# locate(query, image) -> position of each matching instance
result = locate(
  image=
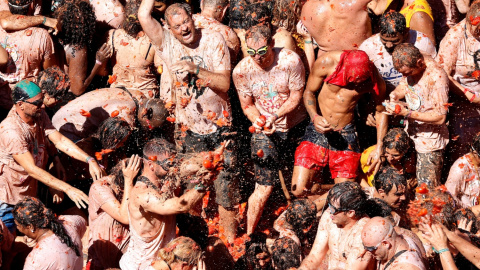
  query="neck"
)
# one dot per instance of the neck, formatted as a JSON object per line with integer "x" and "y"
{"x": 350, "y": 223}
{"x": 475, "y": 160}
{"x": 209, "y": 13}
{"x": 151, "y": 176}
{"x": 42, "y": 233}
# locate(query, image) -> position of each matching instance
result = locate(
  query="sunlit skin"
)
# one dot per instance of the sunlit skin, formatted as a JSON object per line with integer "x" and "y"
{"x": 266, "y": 60}
{"x": 183, "y": 28}
{"x": 393, "y": 156}
{"x": 395, "y": 197}
{"x": 391, "y": 41}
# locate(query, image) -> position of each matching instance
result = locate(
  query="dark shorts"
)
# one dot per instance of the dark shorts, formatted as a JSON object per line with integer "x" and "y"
{"x": 226, "y": 185}
{"x": 340, "y": 150}
{"x": 429, "y": 168}
{"x": 6, "y": 215}
{"x": 278, "y": 150}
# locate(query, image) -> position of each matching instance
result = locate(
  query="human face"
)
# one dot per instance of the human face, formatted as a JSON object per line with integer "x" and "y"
{"x": 182, "y": 27}
{"x": 395, "y": 197}
{"x": 33, "y": 106}
{"x": 49, "y": 101}
{"x": 393, "y": 156}
{"x": 26, "y": 230}
{"x": 390, "y": 42}
{"x": 263, "y": 52}
{"x": 380, "y": 250}
{"x": 409, "y": 71}
{"x": 338, "y": 215}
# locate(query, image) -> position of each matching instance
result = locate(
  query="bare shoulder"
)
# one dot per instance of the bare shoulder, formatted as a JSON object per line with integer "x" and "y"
{"x": 404, "y": 266}
{"x": 327, "y": 62}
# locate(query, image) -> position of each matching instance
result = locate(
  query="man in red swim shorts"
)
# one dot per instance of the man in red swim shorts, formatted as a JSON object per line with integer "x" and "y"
{"x": 342, "y": 78}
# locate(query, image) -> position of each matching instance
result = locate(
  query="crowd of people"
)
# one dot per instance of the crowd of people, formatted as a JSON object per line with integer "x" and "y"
{"x": 241, "y": 134}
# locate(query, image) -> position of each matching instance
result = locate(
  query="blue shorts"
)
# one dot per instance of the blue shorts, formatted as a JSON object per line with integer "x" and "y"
{"x": 6, "y": 215}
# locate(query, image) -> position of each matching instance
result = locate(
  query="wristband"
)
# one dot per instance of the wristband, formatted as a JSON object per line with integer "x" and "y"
{"x": 313, "y": 120}
{"x": 44, "y": 20}
{"x": 465, "y": 90}
{"x": 276, "y": 116}
{"x": 472, "y": 98}
{"x": 198, "y": 70}
{"x": 408, "y": 114}
{"x": 200, "y": 187}
{"x": 308, "y": 41}
{"x": 98, "y": 62}
{"x": 441, "y": 250}
{"x": 88, "y": 159}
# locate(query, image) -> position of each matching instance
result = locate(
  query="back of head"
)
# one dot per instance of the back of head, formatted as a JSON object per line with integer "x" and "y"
{"x": 376, "y": 230}
{"x": 152, "y": 113}
{"x": 158, "y": 146}
{"x": 349, "y": 196}
{"x": 112, "y": 132}
{"x": 256, "y": 245}
{"x": 301, "y": 213}
{"x": 78, "y": 22}
{"x": 256, "y": 13}
{"x": 175, "y": 9}
{"x": 389, "y": 177}
{"x": 392, "y": 23}
{"x": 54, "y": 82}
{"x": 259, "y": 32}
{"x": 131, "y": 24}
{"x": 181, "y": 249}
{"x": 407, "y": 55}
{"x": 286, "y": 254}
{"x": 19, "y": 7}
{"x": 286, "y": 13}
{"x": 397, "y": 138}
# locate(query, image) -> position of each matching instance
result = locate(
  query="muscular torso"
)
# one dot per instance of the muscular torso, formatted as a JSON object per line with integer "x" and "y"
{"x": 337, "y": 25}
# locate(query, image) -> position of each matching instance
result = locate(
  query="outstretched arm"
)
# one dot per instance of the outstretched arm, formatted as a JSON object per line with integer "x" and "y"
{"x": 174, "y": 206}
{"x": 14, "y": 22}
{"x": 151, "y": 27}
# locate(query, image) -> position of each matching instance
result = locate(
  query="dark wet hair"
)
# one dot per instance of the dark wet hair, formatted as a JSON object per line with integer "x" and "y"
{"x": 112, "y": 131}
{"x": 392, "y": 23}
{"x": 286, "y": 254}
{"x": 54, "y": 82}
{"x": 397, "y": 138}
{"x": 475, "y": 145}
{"x": 389, "y": 177}
{"x": 286, "y": 13}
{"x": 78, "y": 23}
{"x": 158, "y": 146}
{"x": 349, "y": 196}
{"x": 406, "y": 54}
{"x": 453, "y": 217}
{"x": 380, "y": 209}
{"x": 19, "y": 7}
{"x": 260, "y": 31}
{"x": 173, "y": 9}
{"x": 257, "y": 244}
{"x": 131, "y": 24}
{"x": 257, "y": 13}
{"x": 31, "y": 211}
{"x": 118, "y": 178}
{"x": 301, "y": 213}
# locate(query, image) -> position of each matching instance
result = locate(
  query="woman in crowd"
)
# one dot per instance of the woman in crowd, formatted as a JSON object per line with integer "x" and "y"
{"x": 58, "y": 240}
{"x": 180, "y": 254}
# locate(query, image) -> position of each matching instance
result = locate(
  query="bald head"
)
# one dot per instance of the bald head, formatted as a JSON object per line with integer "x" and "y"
{"x": 376, "y": 230}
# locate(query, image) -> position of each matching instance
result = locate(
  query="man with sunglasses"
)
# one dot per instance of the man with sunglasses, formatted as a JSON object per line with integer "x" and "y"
{"x": 339, "y": 230}
{"x": 270, "y": 86}
{"x": 196, "y": 79}
{"x": 152, "y": 207}
{"x": 23, "y": 153}
{"x": 391, "y": 250}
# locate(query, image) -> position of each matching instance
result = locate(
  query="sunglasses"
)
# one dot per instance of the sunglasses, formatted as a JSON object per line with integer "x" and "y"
{"x": 373, "y": 248}
{"x": 166, "y": 164}
{"x": 262, "y": 51}
{"x": 36, "y": 103}
{"x": 336, "y": 210}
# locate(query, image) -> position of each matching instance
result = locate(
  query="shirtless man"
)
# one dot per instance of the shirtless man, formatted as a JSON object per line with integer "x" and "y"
{"x": 339, "y": 230}
{"x": 390, "y": 250}
{"x": 152, "y": 206}
{"x": 341, "y": 78}
{"x": 339, "y": 25}
{"x": 196, "y": 79}
{"x": 213, "y": 12}
{"x": 81, "y": 117}
{"x": 425, "y": 88}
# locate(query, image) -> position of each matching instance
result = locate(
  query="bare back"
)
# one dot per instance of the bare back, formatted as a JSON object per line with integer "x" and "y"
{"x": 337, "y": 25}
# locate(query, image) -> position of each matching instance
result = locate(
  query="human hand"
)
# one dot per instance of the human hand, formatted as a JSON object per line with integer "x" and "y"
{"x": 465, "y": 225}
{"x": 374, "y": 160}
{"x": 395, "y": 108}
{"x": 371, "y": 121}
{"x": 393, "y": 97}
{"x": 270, "y": 127}
{"x": 131, "y": 169}
{"x": 58, "y": 195}
{"x": 259, "y": 123}
{"x": 53, "y": 25}
{"x": 104, "y": 53}
{"x": 200, "y": 265}
{"x": 184, "y": 66}
{"x": 321, "y": 124}
{"x": 77, "y": 196}
{"x": 435, "y": 235}
{"x": 95, "y": 171}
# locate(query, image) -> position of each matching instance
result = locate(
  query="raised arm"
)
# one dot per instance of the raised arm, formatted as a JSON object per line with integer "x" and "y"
{"x": 151, "y": 27}
{"x": 422, "y": 22}
{"x": 28, "y": 163}
{"x": 174, "y": 206}
{"x": 382, "y": 124}
{"x": 65, "y": 145}
{"x": 318, "y": 252}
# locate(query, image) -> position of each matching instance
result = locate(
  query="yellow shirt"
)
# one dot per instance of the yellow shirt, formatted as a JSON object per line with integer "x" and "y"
{"x": 417, "y": 6}
{"x": 364, "y": 166}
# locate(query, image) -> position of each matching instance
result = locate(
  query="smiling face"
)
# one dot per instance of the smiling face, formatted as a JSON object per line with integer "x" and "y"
{"x": 182, "y": 26}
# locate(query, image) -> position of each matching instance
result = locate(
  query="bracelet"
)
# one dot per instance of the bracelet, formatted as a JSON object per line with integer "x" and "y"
{"x": 307, "y": 41}
{"x": 200, "y": 187}
{"x": 98, "y": 62}
{"x": 88, "y": 159}
{"x": 441, "y": 250}
{"x": 44, "y": 20}
{"x": 473, "y": 97}
{"x": 313, "y": 120}
{"x": 198, "y": 70}
{"x": 408, "y": 114}
{"x": 276, "y": 116}
{"x": 465, "y": 90}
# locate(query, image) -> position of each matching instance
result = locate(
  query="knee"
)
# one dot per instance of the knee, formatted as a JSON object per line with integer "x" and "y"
{"x": 298, "y": 191}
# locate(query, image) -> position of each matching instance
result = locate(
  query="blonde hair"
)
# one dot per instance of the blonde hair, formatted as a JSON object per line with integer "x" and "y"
{"x": 181, "y": 249}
